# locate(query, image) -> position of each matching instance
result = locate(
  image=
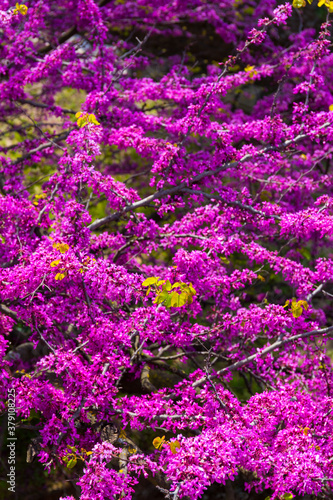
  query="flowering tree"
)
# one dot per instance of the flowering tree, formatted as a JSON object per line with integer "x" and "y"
{"x": 166, "y": 227}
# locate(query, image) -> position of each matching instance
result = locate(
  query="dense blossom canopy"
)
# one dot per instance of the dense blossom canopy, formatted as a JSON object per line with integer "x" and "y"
{"x": 166, "y": 225}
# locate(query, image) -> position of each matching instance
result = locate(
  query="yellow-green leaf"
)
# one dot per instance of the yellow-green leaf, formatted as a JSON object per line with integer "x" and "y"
{"x": 183, "y": 299}
{"x": 174, "y": 445}
{"x": 59, "y": 276}
{"x": 72, "y": 448}
{"x": 81, "y": 122}
{"x": 297, "y": 4}
{"x": 167, "y": 300}
{"x": 62, "y": 247}
{"x": 22, "y": 9}
{"x": 296, "y": 307}
{"x": 225, "y": 260}
{"x": 92, "y": 119}
{"x": 162, "y": 297}
{"x": 71, "y": 463}
{"x": 296, "y": 310}
{"x": 304, "y": 304}
{"x": 167, "y": 286}
{"x": 55, "y": 263}
{"x": 150, "y": 281}
{"x": 158, "y": 442}
{"x": 175, "y": 299}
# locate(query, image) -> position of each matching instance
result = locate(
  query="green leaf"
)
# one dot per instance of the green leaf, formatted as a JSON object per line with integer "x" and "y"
{"x": 183, "y": 299}
{"x": 296, "y": 310}
{"x": 167, "y": 286}
{"x": 150, "y": 281}
{"x": 179, "y": 300}
{"x": 288, "y": 496}
{"x": 161, "y": 297}
{"x": 304, "y": 304}
{"x": 72, "y": 462}
{"x": 297, "y": 307}
{"x": 158, "y": 442}
{"x": 265, "y": 195}
{"x": 159, "y": 283}
{"x": 71, "y": 448}
{"x": 32, "y": 415}
{"x": 306, "y": 253}
{"x": 225, "y": 260}
{"x": 59, "y": 276}
{"x": 167, "y": 301}
{"x": 175, "y": 299}
{"x": 176, "y": 285}
{"x": 174, "y": 445}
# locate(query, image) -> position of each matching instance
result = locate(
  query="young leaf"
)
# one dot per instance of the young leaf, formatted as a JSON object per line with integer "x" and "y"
{"x": 92, "y": 119}
{"x": 176, "y": 285}
{"x": 304, "y": 304}
{"x": 175, "y": 299}
{"x": 183, "y": 299}
{"x": 167, "y": 286}
{"x": 296, "y": 310}
{"x": 167, "y": 301}
{"x": 62, "y": 247}
{"x": 72, "y": 448}
{"x": 59, "y": 276}
{"x": 174, "y": 445}
{"x": 20, "y": 8}
{"x": 71, "y": 463}
{"x": 163, "y": 296}
{"x": 150, "y": 281}
{"x": 158, "y": 442}
{"x": 297, "y": 4}
{"x": 55, "y": 263}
